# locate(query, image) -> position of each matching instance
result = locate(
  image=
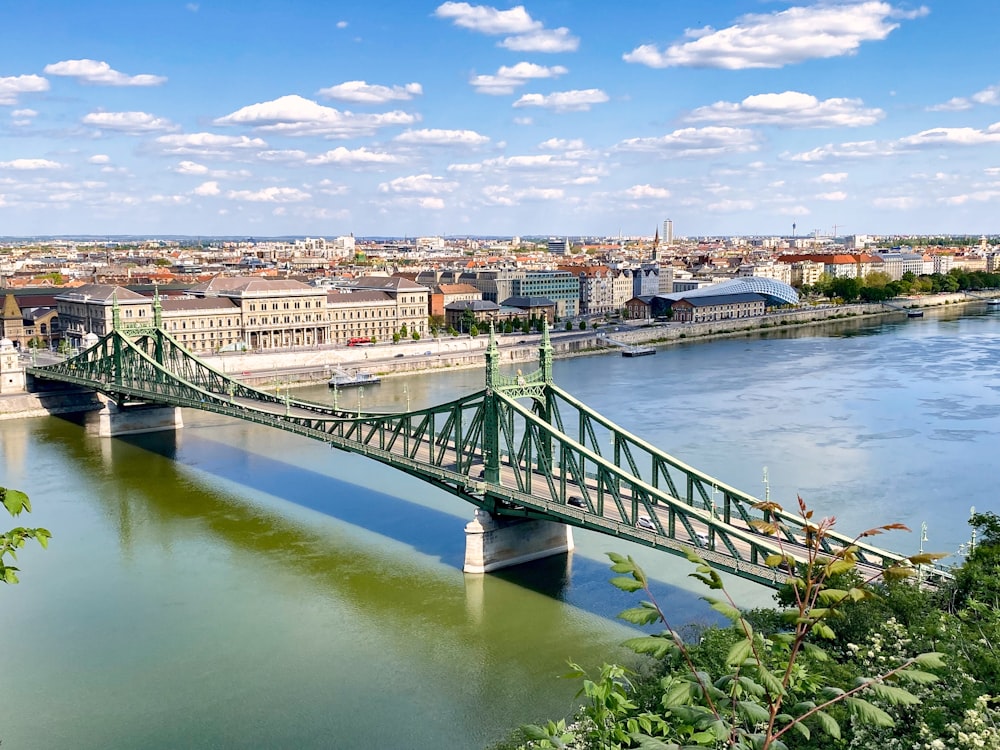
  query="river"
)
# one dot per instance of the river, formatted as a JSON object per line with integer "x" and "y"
{"x": 231, "y": 586}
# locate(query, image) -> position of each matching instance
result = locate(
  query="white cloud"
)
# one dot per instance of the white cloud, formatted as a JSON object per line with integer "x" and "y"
{"x": 836, "y": 195}
{"x": 191, "y": 167}
{"x": 543, "y": 40}
{"x": 979, "y": 196}
{"x": 509, "y": 77}
{"x": 438, "y": 137}
{"x": 793, "y": 211}
{"x": 369, "y": 93}
{"x": 100, "y": 73}
{"x": 784, "y": 37}
{"x": 788, "y": 109}
{"x": 341, "y": 24}
{"x": 953, "y": 137}
{"x": 487, "y": 20}
{"x": 564, "y": 101}
{"x": 285, "y": 155}
{"x": 731, "y": 206}
{"x": 418, "y": 183}
{"x": 172, "y": 200}
{"x": 561, "y": 144}
{"x": 530, "y": 162}
{"x": 853, "y": 150}
{"x": 527, "y": 34}
{"x": 832, "y": 178}
{"x": 13, "y": 86}
{"x": 99, "y": 159}
{"x": 24, "y": 113}
{"x": 269, "y": 195}
{"x": 431, "y": 204}
{"x": 206, "y": 144}
{"x": 706, "y": 141}
{"x": 523, "y": 121}
{"x": 129, "y": 122}
{"x": 638, "y": 192}
{"x": 902, "y": 203}
{"x": 988, "y": 95}
{"x": 358, "y": 156}
{"x": 294, "y": 115}
{"x": 207, "y": 188}
{"x": 955, "y": 104}
{"x": 30, "y": 164}
{"x": 504, "y": 195}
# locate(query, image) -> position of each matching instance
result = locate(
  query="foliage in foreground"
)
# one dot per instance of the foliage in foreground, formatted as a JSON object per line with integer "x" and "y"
{"x": 11, "y": 541}
{"x": 787, "y": 679}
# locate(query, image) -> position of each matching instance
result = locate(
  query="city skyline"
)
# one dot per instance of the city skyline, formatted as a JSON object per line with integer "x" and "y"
{"x": 547, "y": 118}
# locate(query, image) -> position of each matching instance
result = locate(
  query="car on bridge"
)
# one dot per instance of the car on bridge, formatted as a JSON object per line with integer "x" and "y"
{"x": 645, "y": 522}
{"x": 576, "y": 501}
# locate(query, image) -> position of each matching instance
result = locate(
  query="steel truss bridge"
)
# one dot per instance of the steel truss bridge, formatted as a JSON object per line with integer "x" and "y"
{"x": 521, "y": 447}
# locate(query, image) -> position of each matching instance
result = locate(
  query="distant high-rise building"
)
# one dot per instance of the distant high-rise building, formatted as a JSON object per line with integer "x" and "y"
{"x": 559, "y": 246}
{"x": 668, "y": 232}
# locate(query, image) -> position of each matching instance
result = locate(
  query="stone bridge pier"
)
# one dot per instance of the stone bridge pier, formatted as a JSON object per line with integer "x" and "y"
{"x": 113, "y": 420}
{"x": 495, "y": 542}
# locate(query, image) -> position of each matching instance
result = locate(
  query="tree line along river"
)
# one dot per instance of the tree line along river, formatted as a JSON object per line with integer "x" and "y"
{"x": 230, "y": 585}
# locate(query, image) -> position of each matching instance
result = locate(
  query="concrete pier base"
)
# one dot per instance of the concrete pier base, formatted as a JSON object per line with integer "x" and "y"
{"x": 492, "y": 543}
{"x": 136, "y": 418}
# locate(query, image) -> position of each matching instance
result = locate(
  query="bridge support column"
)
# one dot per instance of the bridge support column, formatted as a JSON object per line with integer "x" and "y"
{"x": 492, "y": 542}
{"x": 113, "y": 420}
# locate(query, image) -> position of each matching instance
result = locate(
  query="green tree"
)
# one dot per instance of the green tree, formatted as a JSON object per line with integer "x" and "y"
{"x": 474, "y": 331}
{"x": 569, "y": 325}
{"x": 771, "y": 690}
{"x": 415, "y": 335}
{"x": 583, "y": 325}
{"x": 11, "y": 541}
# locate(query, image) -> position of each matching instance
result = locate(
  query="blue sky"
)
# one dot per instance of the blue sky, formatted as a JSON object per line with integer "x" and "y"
{"x": 401, "y": 117}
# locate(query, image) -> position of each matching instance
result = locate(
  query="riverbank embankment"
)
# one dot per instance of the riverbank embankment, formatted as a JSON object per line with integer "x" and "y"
{"x": 286, "y": 368}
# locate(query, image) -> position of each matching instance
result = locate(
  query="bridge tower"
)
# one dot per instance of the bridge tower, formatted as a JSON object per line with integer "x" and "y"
{"x": 494, "y": 541}
{"x": 118, "y": 417}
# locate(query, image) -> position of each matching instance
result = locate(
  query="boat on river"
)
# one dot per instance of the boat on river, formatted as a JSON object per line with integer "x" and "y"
{"x": 638, "y": 351}
{"x": 914, "y": 313}
{"x": 346, "y": 379}
{"x": 993, "y": 303}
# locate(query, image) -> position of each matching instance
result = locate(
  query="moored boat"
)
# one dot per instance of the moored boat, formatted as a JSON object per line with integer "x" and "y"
{"x": 344, "y": 379}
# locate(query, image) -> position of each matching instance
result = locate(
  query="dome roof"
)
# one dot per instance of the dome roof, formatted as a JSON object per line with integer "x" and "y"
{"x": 777, "y": 292}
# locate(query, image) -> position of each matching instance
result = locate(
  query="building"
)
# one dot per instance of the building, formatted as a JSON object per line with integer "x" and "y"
{"x": 561, "y": 287}
{"x": 89, "y": 309}
{"x": 533, "y": 307}
{"x": 639, "y": 307}
{"x": 442, "y": 295}
{"x": 668, "y": 232}
{"x": 482, "y": 313}
{"x": 31, "y": 326}
{"x": 275, "y": 313}
{"x": 408, "y": 297}
{"x": 718, "y": 307}
{"x": 560, "y": 246}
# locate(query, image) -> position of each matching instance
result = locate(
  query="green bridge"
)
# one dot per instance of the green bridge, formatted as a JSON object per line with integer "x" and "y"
{"x": 531, "y": 458}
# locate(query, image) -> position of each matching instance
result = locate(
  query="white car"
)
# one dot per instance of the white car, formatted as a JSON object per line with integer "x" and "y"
{"x": 645, "y": 522}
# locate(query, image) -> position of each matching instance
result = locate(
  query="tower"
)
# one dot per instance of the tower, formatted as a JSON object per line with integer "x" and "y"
{"x": 668, "y": 232}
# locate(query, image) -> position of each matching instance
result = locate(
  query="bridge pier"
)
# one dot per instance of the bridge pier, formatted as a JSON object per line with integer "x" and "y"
{"x": 114, "y": 420}
{"x": 494, "y": 542}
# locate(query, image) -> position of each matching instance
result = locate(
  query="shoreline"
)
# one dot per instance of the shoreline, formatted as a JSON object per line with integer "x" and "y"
{"x": 292, "y": 369}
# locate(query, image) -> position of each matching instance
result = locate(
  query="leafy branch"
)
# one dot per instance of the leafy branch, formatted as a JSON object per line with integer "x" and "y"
{"x": 11, "y": 541}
